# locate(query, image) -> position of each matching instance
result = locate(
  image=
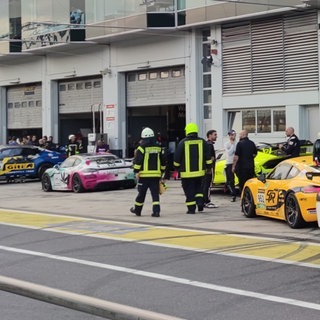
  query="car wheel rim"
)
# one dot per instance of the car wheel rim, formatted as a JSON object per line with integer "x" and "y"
{"x": 46, "y": 183}
{"x": 247, "y": 202}
{"x": 292, "y": 211}
{"x": 76, "y": 184}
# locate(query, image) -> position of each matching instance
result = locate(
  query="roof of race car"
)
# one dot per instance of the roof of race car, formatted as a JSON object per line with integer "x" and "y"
{"x": 303, "y": 162}
{"x": 96, "y": 155}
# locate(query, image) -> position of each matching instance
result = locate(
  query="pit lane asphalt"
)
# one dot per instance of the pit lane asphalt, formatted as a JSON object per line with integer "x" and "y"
{"x": 114, "y": 205}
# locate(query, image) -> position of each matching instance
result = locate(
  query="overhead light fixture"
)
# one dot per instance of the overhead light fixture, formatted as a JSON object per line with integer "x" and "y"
{"x": 144, "y": 67}
{"x": 15, "y": 81}
{"x": 71, "y": 75}
{"x": 207, "y": 60}
{"x": 106, "y": 71}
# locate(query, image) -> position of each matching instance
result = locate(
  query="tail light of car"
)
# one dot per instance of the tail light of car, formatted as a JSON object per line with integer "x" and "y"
{"x": 89, "y": 173}
{"x": 311, "y": 189}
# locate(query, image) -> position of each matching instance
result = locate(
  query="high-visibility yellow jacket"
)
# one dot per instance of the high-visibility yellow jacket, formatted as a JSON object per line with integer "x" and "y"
{"x": 192, "y": 157}
{"x": 150, "y": 159}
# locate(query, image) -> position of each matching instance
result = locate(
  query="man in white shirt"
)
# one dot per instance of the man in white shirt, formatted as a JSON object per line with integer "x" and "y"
{"x": 230, "y": 148}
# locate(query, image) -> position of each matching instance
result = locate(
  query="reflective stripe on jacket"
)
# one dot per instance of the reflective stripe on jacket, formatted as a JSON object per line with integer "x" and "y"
{"x": 192, "y": 157}
{"x": 149, "y": 161}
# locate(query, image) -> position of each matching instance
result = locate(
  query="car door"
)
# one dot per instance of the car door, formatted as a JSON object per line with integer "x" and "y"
{"x": 61, "y": 174}
{"x": 271, "y": 194}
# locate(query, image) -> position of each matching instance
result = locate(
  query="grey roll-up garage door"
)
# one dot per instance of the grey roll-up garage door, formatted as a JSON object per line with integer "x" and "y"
{"x": 24, "y": 105}
{"x": 78, "y": 95}
{"x": 156, "y": 87}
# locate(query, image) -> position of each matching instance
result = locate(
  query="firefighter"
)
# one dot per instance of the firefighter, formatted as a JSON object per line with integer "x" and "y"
{"x": 74, "y": 146}
{"x": 149, "y": 164}
{"x": 193, "y": 160}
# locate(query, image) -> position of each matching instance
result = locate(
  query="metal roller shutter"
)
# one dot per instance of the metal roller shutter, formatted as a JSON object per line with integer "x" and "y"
{"x": 24, "y": 106}
{"x": 271, "y": 54}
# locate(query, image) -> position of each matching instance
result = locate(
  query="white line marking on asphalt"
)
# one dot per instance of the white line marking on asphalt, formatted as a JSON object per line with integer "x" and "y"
{"x": 172, "y": 246}
{"x": 183, "y": 281}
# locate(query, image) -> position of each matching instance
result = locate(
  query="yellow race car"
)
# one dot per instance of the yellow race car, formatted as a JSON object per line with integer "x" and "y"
{"x": 267, "y": 158}
{"x": 287, "y": 193}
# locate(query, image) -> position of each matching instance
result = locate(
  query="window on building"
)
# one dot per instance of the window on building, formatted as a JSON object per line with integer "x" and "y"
{"x": 279, "y": 120}
{"x": 207, "y": 81}
{"x": 176, "y": 73}
{"x": 153, "y": 75}
{"x": 31, "y": 104}
{"x": 24, "y": 104}
{"x": 71, "y": 86}
{"x": 207, "y": 112}
{"x": 249, "y": 120}
{"x": 88, "y": 85}
{"x": 79, "y": 85}
{"x": 263, "y": 120}
{"x": 38, "y": 103}
{"x": 131, "y": 77}
{"x": 207, "y": 96}
{"x": 97, "y": 84}
{"x": 142, "y": 76}
{"x": 17, "y": 104}
{"x": 10, "y": 105}
{"x": 164, "y": 74}
{"x": 62, "y": 87}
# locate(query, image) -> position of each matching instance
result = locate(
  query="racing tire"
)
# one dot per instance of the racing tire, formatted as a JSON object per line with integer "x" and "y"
{"x": 293, "y": 213}
{"x": 46, "y": 183}
{"x": 247, "y": 204}
{"x": 77, "y": 186}
{"x": 130, "y": 184}
{"x": 42, "y": 169}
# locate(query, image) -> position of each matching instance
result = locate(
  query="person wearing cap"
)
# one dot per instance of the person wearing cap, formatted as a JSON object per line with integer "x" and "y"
{"x": 149, "y": 163}
{"x": 243, "y": 161}
{"x": 230, "y": 149}
{"x": 209, "y": 176}
{"x": 192, "y": 159}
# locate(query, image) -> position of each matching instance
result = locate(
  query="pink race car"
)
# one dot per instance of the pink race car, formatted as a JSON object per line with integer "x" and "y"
{"x": 84, "y": 172}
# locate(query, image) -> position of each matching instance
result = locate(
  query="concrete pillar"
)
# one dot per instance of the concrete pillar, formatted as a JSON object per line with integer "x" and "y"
{"x": 3, "y": 115}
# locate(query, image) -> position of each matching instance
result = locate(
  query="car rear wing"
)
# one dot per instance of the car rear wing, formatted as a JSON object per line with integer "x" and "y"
{"x": 310, "y": 175}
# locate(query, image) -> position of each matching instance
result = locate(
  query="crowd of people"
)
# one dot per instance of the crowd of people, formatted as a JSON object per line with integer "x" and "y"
{"x": 194, "y": 159}
{"x": 45, "y": 142}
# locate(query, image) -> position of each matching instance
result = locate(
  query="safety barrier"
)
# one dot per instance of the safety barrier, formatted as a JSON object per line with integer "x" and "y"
{"x": 105, "y": 309}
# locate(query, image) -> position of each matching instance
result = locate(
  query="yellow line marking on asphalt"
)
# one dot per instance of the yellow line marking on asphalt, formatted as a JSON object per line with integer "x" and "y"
{"x": 230, "y": 244}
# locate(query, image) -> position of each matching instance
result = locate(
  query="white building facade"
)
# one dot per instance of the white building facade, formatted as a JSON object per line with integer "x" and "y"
{"x": 114, "y": 67}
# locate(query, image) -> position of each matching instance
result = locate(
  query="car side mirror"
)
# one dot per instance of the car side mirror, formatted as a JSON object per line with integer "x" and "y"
{"x": 56, "y": 166}
{"x": 262, "y": 177}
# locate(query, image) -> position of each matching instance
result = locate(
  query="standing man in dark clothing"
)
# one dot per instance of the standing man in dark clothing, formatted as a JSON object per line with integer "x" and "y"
{"x": 243, "y": 163}
{"x": 230, "y": 149}
{"x": 192, "y": 159}
{"x": 209, "y": 176}
{"x": 292, "y": 146}
{"x": 149, "y": 164}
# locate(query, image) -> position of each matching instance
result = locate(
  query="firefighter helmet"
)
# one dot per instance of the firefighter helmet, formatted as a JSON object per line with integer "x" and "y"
{"x": 191, "y": 128}
{"x": 147, "y": 133}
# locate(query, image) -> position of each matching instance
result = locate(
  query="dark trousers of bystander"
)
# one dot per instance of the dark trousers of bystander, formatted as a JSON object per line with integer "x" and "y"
{"x": 244, "y": 174}
{"x": 206, "y": 187}
{"x": 230, "y": 180}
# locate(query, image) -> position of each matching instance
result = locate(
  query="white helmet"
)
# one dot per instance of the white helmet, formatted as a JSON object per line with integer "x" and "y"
{"x": 147, "y": 133}
{"x": 71, "y": 136}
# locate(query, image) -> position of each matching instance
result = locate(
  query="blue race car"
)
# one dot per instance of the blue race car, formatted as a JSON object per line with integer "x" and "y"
{"x": 26, "y": 162}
